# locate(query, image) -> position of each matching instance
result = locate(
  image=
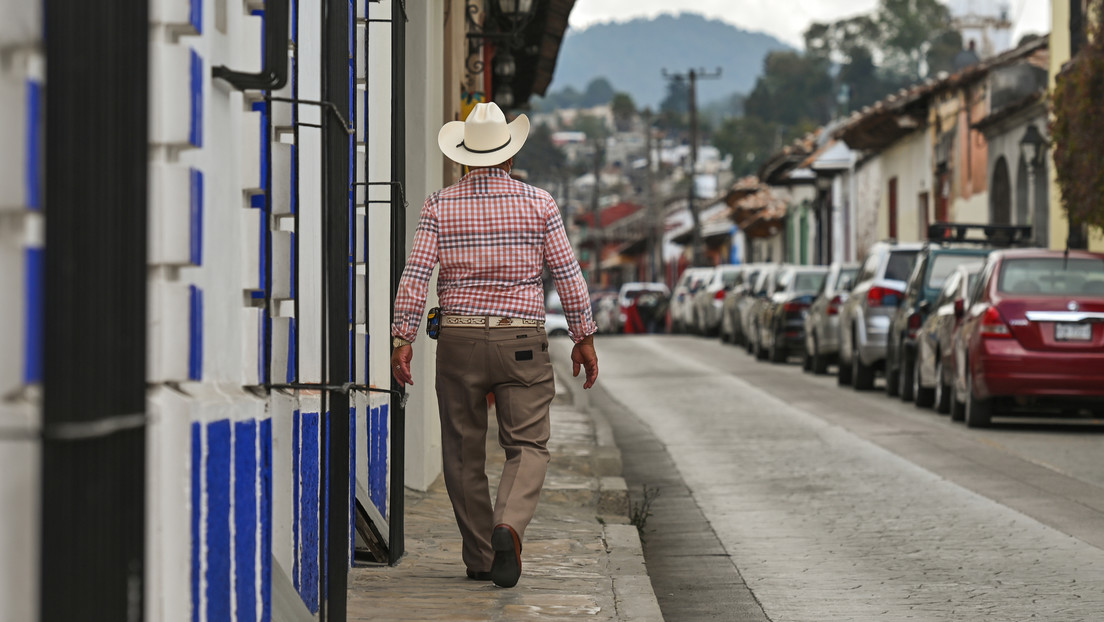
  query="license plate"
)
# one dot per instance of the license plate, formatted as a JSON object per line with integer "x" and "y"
{"x": 1065, "y": 331}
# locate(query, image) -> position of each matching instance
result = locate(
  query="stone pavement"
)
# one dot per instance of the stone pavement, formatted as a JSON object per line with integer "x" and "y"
{"x": 581, "y": 557}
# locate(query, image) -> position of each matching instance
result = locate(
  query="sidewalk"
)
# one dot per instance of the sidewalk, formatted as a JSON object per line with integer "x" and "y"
{"x": 581, "y": 557}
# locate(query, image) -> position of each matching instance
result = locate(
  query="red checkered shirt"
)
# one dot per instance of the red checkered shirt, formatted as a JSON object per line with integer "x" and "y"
{"x": 492, "y": 236}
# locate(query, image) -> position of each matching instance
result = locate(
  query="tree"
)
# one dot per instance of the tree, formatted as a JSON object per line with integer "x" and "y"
{"x": 623, "y": 109}
{"x": 1078, "y": 130}
{"x": 598, "y": 93}
{"x": 794, "y": 89}
{"x": 751, "y": 140}
{"x": 541, "y": 158}
{"x": 907, "y": 40}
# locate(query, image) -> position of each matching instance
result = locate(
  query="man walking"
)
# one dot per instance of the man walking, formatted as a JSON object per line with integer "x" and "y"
{"x": 492, "y": 236}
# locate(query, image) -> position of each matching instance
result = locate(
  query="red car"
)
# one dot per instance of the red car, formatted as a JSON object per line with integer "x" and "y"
{"x": 1032, "y": 335}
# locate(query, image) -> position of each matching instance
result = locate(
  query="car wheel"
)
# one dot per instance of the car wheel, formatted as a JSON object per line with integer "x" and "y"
{"x": 777, "y": 352}
{"x": 843, "y": 373}
{"x": 760, "y": 351}
{"x": 820, "y": 363}
{"x": 862, "y": 376}
{"x": 924, "y": 397}
{"x": 942, "y": 397}
{"x": 806, "y": 359}
{"x": 892, "y": 381}
{"x": 958, "y": 407}
{"x": 979, "y": 412}
{"x": 905, "y": 373}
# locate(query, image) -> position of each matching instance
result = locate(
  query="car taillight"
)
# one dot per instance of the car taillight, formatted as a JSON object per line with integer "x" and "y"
{"x": 719, "y": 295}
{"x": 834, "y": 305}
{"x": 914, "y": 322}
{"x": 882, "y": 297}
{"x": 793, "y": 307}
{"x": 993, "y": 326}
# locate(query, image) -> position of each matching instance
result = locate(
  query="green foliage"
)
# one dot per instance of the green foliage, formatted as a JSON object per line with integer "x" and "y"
{"x": 623, "y": 109}
{"x": 1078, "y": 131}
{"x": 594, "y": 127}
{"x": 639, "y": 512}
{"x": 794, "y": 89}
{"x": 599, "y": 92}
{"x": 750, "y": 141}
{"x": 541, "y": 157}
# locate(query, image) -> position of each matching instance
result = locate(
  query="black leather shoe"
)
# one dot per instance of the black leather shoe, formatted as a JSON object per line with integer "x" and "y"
{"x": 479, "y": 576}
{"x": 506, "y": 569}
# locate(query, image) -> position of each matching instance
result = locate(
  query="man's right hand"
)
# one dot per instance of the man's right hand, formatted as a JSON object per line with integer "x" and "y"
{"x": 583, "y": 354}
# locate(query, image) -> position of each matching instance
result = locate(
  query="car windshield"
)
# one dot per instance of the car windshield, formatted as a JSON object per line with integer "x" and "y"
{"x": 1052, "y": 276}
{"x": 728, "y": 277}
{"x": 900, "y": 265}
{"x": 942, "y": 265}
{"x": 808, "y": 281}
{"x": 846, "y": 279}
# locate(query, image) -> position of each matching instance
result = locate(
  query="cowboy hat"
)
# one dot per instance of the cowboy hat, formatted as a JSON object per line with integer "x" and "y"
{"x": 484, "y": 139}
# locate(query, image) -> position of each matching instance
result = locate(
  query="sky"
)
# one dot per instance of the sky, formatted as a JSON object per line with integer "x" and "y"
{"x": 785, "y": 19}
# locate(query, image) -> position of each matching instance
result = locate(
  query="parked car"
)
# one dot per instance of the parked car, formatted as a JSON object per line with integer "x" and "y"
{"x": 934, "y": 263}
{"x": 732, "y": 330}
{"x": 934, "y": 365}
{"x": 709, "y": 299}
{"x": 765, "y": 286}
{"x": 822, "y": 317}
{"x": 555, "y": 322}
{"x": 864, "y": 318}
{"x": 643, "y": 316}
{"x": 682, "y": 297}
{"x": 782, "y": 319}
{"x": 1032, "y": 335}
{"x": 604, "y": 308}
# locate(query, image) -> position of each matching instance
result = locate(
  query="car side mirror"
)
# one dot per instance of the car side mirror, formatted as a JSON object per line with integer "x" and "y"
{"x": 924, "y": 306}
{"x": 959, "y": 309}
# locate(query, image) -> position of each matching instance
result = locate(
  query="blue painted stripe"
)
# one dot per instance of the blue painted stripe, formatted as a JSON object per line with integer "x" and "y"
{"x": 266, "y": 520}
{"x": 195, "y": 15}
{"x": 197, "y": 507}
{"x": 377, "y": 466}
{"x": 34, "y": 266}
{"x": 195, "y": 128}
{"x": 33, "y": 159}
{"x": 293, "y": 352}
{"x": 294, "y": 186}
{"x": 352, "y": 481}
{"x": 309, "y": 505}
{"x": 218, "y": 520}
{"x": 195, "y": 334}
{"x": 296, "y": 453}
{"x": 195, "y": 221}
{"x": 245, "y": 518}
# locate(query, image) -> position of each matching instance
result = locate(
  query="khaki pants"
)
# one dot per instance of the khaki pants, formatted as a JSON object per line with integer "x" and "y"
{"x": 512, "y": 363}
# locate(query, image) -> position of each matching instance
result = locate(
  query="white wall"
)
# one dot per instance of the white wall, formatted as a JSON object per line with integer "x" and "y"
{"x": 909, "y": 160}
{"x": 22, "y": 236}
{"x": 424, "y": 117}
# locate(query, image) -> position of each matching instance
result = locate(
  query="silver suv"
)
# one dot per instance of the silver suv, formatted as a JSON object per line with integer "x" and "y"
{"x": 865, "y": 317}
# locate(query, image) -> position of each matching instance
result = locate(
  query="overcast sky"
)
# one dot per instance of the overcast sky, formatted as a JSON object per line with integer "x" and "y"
{"x": 785, "y": 19}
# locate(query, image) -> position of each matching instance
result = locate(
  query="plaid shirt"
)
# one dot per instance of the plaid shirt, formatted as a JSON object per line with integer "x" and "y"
{"x": 492, "y": 236}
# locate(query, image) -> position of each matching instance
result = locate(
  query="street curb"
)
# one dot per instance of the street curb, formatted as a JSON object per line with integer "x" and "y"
{"x": 633, "y": 594}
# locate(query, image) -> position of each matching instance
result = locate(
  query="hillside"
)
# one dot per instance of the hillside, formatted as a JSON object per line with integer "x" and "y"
{"x": 632, "y": 55}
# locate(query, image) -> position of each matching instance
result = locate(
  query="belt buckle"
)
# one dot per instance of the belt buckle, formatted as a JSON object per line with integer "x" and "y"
{"x": 505, "y": 321}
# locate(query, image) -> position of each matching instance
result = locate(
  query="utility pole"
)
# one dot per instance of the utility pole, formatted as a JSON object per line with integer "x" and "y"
{"x": 655, "y": 217}
{"x": 698, "y": 247}
{"x": 596, "y": 233}
{"x": 1076, "y": 238}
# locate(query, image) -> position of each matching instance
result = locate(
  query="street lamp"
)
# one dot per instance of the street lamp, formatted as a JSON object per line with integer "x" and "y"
{"x": 1033, "y": 149}
{"x": 503, "y": 25}
{"x": 1033, "y": 146}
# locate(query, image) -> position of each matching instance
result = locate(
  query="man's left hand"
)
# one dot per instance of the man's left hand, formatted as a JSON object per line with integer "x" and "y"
{"x": 583, "y": 354}
{"x": 400, "y": 364}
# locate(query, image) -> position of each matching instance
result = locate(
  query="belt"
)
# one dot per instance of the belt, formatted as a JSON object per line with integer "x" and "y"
{"x": 490, "y": 321}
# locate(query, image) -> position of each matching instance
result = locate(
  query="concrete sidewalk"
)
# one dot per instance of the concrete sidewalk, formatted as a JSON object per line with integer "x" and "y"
{"x": 580, "y": 558}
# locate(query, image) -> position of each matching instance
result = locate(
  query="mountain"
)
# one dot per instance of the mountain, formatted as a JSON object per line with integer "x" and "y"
{"x": 632, "y": 56}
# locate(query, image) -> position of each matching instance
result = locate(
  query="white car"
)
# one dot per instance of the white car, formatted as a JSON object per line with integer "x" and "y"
{"x": 682, "y": 299}
{"x": 555, "y": 322}
{"x": 709, "y": 300}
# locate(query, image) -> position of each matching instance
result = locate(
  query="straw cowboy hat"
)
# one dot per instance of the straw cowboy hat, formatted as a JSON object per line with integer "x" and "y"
{"x": 484, "y": 139}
